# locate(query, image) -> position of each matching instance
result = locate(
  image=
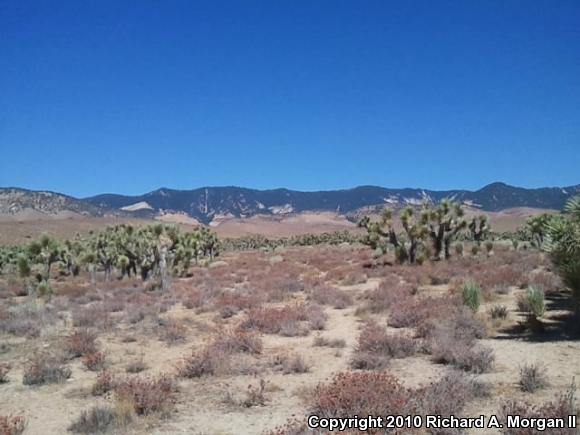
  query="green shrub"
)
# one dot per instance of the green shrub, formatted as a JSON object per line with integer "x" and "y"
{"x": 472, "y": 295}
{"x": 535, "y": 301}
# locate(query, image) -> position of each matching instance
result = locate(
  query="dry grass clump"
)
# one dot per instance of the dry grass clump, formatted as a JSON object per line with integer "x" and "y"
{"x": 289, "y": 320}
{"x": 238, "y": 340}
{"x": 561, "y": 407}
{"x": 216, "y": 357}
{"x": 147, "y": 395}
{"x": 332, "y": 296}
{"x": 81, "y": 342}
{"x": 533, "y": 377}
{"x": 12, "y": 424}
{"x": 91, "y": 316}
{"x": 376, "y": 346}
{"x": 460, "y": 354}
{"x": 452, "y": 340}
{"x": 386, "y": 294}
{"x": 45, "y": 369}
{"x": 136, "y": 366}
{"x": 498, "y": 312}
{"x": 172, "y": 331}
{"x": 99, "y": 419}
{"x": 232, "y": 302}
{"x": 255, "y": 395}
{"x": 321, "y": 341}
{"x": 290, "y": 364}
{"x": 27, "y": 319}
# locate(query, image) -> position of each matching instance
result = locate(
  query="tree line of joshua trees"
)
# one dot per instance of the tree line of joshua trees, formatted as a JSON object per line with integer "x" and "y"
{"x": 151, "y": 252}
{"x": 156, "y": 252}
{"x": 440, "y": 225}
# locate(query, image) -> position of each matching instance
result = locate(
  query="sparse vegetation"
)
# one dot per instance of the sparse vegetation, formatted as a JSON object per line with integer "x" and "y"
{"x": 533, "y": 377}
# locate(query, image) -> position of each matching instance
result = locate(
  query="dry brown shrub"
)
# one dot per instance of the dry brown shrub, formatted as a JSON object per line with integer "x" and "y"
{"x": 376, "y": 339}
{"x": 562, "y": 406}
{"x": 389, "y": 292}
{"x": 81, "y": 342}
{"x": 147, "y": 395}
{"x": 12, "y": 424}
{"x": 172, "y": 331}
{"x": 94, "y": 361}
{"x": 91, "y": 316}
{"x": 362, "y": 394}
{"x": 45, "y": 369}
{"x": 104, "y": 383}
{"x": 288, "y": 320}
{"x": 238, "y": 340}
{"x": 332, "y": 296}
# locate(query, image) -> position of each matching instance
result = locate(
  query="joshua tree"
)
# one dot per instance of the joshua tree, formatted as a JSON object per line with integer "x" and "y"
{"x": 444, "y": 223}
{"x": 563, "y": 244}
{"x": 382, "y": 233}
{"x": 479, "y": 228}
{"x": 537, "y": 227}
{"x": 45, "y": 251}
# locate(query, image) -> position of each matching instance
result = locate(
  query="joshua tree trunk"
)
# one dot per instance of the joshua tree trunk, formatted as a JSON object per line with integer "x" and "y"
{"x": 163, "y": 269}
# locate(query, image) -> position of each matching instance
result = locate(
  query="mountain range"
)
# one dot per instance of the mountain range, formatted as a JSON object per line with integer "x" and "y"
{"x": 210, "y": 204}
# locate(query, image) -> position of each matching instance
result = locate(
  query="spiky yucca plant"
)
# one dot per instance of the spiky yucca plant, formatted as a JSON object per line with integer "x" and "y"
{"x": 472, "y": 295}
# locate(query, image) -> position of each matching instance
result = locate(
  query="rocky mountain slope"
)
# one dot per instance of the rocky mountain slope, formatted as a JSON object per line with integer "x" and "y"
{"x": 215, "y": 203}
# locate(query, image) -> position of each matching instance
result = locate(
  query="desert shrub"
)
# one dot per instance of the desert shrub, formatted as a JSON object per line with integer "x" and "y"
{"x": 204, "y": 362}
{"x": 196, "y": 299}
{"x": 321, "y": 341}
{"x": 459, "y": 323}
{"x": 238, "y": 340}
{"x": 98, "y": 419}
{"x": 81, "y": 342}
{"x": 362, "y": 394}
{"x": 460, "y": 354}
{"x": 91, "y": 316}
{"x": 136, "y": 366}
{"x": 147, "y": 396}
{"x": 255, "y": 396}
{"x": 386, "y": 294}
{"x": 232, "y": 302}
{"x": 45, "y": 369}
{"x": 104, "y": 383}
{"x": 498, "y": 312}
{"x": 561, "y": 407}
{"x": 458, "y": 249}
{"x": 327, "y": 295}
{"x": 420, "y": 312}
{"x": 4, "y": 369}
{"x": 289, "y": 320}
{"x": 448, "y": 395}
{"x": 533, "y": 377}
{"x": 294, "y": 364}
{"x": 375, "y": 339}
{"x": 316, "y": 317}
{"x": 172, "y": 331}
{"x": 12, "y": 424}
{"x": 28, "y": 319}
{"x": 94, "y": 361}
{"x": 472, "y": 295}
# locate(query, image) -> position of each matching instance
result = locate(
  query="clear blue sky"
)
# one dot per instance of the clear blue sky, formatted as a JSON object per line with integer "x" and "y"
{"x": 128, "y": 96}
